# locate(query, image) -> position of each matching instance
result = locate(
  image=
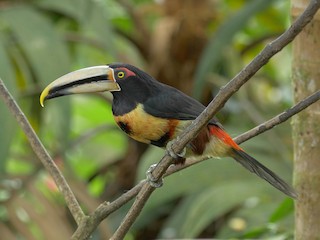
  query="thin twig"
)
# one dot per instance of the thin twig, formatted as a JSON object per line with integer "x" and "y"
{"x": 42, "y": 154}
{"x": 280, "y": 118}
{"x": 104, "y": 210}
{"x": 216, "y": 104}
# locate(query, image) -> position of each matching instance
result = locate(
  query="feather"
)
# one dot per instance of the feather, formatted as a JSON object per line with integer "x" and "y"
{"x": 260, "y": 170}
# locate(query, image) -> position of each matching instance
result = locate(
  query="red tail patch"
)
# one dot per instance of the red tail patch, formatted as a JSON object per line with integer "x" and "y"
{"x": 222, "y": 135}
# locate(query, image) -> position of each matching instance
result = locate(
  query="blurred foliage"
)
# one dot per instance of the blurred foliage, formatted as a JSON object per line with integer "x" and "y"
{"x": 198, "y": 53}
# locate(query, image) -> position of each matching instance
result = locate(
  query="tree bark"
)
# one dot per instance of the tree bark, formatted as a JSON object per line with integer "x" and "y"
{"x": 306, "y": 127}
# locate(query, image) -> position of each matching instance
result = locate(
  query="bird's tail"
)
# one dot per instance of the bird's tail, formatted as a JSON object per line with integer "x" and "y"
{"x": 252, "y": 164}
{"x": 260, "y": 170}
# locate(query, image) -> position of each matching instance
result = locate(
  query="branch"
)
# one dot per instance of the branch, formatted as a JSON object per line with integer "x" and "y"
{"x": 42, "y": 154}
{"x": 216, "y": 104}
{"x": 106, "y": 208}
{"x": 87, "y": 226}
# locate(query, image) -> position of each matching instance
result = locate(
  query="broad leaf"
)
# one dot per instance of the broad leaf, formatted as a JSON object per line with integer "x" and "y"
{"x": 221, "y": 39}
{"x": 46, "y": 53}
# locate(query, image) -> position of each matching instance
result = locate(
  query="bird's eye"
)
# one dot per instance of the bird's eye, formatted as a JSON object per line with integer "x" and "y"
{"x": 120, "y": 74}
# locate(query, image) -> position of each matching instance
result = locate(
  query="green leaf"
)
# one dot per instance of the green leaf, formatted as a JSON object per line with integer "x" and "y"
{"x": 254, "y": 215}
{"x": 97, "y": 25}
{"x": 215, "y": 202}
{"x": 41, "y": 43}
{"x": 256, "y": 232}
{"x": 221, "y": 39}
{"x": 8, "y": 124}
{"x": 73, "y": 8}
{"x": 46, "y": 52}
{"x": 177, "y": 217}
{"x": 284, "y": 209}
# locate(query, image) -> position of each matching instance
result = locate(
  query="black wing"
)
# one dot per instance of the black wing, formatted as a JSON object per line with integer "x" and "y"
{"x": 171, "y": 103}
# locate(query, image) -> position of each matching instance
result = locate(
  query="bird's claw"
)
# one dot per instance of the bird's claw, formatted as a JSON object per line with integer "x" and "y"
{"x": 154, "y": 182}
{"x": 174, "y": 155}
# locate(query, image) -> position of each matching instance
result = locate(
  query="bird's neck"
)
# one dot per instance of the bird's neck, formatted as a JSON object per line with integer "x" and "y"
{"x": 133, "y": 91}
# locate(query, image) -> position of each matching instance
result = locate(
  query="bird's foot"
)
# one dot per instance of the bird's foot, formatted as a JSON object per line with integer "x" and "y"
{"x": 178, "y": 157}
{"x": 154, "y": 182}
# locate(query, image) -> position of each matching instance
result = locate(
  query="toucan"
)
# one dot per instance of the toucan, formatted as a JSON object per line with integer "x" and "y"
{"x": 154, "y": 113}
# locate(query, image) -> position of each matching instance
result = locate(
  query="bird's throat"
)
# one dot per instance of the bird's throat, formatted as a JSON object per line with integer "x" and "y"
{"x": 146, "y": 128}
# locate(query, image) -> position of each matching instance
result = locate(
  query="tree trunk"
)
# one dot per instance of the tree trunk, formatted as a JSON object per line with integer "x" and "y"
{"x": 306, "y": 127}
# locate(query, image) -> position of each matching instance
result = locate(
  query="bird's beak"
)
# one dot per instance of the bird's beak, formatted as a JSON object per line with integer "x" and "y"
{"x": 86, "y": 80}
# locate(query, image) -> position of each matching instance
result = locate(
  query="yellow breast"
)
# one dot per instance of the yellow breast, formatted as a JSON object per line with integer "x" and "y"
{"x": 146, "y": 128}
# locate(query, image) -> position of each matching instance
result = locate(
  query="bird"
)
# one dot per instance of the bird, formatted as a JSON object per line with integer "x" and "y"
{"x": 155, "y": 113}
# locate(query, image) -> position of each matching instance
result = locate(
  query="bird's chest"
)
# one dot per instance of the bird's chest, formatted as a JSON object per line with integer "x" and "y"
{"x": 146, "y": 128}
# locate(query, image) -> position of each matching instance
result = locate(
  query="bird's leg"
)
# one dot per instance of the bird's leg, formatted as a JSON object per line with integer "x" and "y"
{"x": 156, "y": 183}
{"x": 179, "y": 158}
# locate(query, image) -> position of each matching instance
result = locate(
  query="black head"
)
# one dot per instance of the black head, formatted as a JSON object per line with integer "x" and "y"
{"x": 123, "y": 80}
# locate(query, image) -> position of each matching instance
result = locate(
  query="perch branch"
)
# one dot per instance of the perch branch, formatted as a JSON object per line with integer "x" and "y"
{"x": 106, "y": 208}
{"x": 42, "y": 154}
